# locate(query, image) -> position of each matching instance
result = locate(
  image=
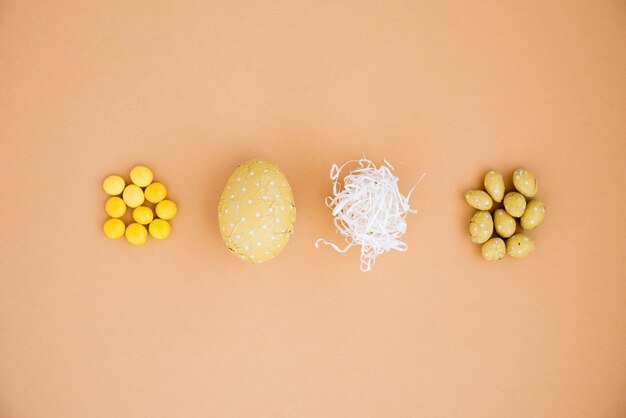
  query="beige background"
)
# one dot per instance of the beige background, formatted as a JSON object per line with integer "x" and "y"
{"x": 96, "y": 328}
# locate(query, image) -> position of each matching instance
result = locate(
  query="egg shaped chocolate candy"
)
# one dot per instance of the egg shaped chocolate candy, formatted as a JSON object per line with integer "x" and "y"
{"x": 504, "y": 223}
{"x": 494, "y": 184}
{"x": 257, "y": 213}
{"x": 515, "y": 204}
{"x": 494, "y": 249}
{"x": 478, "y": 199}
{"x": 525, "y": 182}
{"x": 481, "y": 227}
{"x": 533, "y": 215}
{"x": 519, "y": 245}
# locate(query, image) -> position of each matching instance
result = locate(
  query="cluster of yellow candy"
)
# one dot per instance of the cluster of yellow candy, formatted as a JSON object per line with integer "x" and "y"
{"x": 135, "y": 195}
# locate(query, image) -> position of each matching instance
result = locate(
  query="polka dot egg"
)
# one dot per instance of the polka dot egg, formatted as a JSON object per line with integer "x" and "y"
{"x": 257, "y": 213}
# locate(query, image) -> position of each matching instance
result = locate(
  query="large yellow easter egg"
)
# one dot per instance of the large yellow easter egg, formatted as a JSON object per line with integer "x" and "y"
{"x": 257, "y": 213}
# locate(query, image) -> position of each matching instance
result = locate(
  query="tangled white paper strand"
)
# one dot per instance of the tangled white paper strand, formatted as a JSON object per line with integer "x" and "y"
{"x": 369, "y": 210}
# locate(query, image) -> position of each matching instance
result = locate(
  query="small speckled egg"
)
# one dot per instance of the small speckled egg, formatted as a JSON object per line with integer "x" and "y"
{"x": 504, "y": 223}
{"x": 494, "y": 249}
{"x": 481, "y": 227}
{"x": 515, "y": 204}
{"x": 256, "y": 213}
{"x": 519, "y": 245}
{"x": 525, "y": 182}
{"x": 494, "y": 184}
{"x": 533, "y": 215}
{"x": 478, "y": 199}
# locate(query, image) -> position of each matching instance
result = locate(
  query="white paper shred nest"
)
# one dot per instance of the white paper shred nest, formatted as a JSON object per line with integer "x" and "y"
{"x": 368, "y": 210}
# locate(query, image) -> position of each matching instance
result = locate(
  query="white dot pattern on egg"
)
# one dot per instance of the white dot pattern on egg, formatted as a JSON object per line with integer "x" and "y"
{"x": 247, "y": 211}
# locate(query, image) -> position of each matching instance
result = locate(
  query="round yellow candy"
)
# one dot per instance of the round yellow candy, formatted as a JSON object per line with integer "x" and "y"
{"x": 159, "y": 228}
{"x": 141, "y": 175}
{"x": 133, "y": 196}
{"x": 136, "y": 234}
{"x": 143, "y": 215}
{"x": 114, "y": 228}
{"x": 115, "y": 207}
{"x": 166, "y": 209}
{"x": 113, "y": 185}
{"x": 155, "y": 192}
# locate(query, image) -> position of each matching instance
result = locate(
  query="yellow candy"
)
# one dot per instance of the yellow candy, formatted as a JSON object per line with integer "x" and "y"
{"x": 113, "y": 185}
{"x": 159, "y": 228}
{"x": 114, "y": 228}
{"x": 136, "y": 234}
{"x": 141, "y": 175}
{"x": 166, "y": 209}
{"x": 115, "y": 207}
{"x": 143, "y": 215}
{"x": 133, "y": 196}
{"x": 155, "y": 192}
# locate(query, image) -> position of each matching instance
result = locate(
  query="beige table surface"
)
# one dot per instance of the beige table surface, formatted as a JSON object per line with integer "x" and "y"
{"x": 96, "y": 328}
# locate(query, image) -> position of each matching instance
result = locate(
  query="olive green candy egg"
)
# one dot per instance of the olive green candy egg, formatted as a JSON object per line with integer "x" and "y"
{"x": 515, "y": 204}
{"x": 533, "y": 215}
{"x": 519, "y": 245}
{"x": 494, "y": 249}
{"x": 257, "y": 213}
{"x": 525, "y": 182}
{"x": 494, "y": 184}
{"x": 478, "y": 199}
{"x": 481, "y": 227}
{"x": 504, "y": 223}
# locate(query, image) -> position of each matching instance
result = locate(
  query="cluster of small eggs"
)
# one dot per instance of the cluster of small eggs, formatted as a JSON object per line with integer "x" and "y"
{"x": 529, "y": 212}
{"x": 134, "y": 195}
